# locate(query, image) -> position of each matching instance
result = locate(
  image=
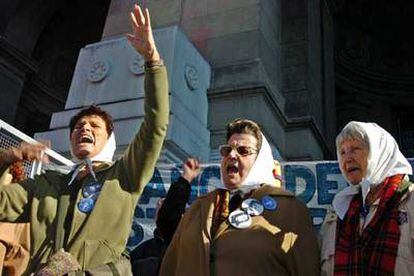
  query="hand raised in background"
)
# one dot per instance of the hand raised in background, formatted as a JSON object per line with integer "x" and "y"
{"x": 191, "y": 169}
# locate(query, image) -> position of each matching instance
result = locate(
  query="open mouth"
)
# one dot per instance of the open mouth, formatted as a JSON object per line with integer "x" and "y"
{"x": 232, "y": 169}
{"x": 352, "y": 169}
{"x": 86, "y": 139}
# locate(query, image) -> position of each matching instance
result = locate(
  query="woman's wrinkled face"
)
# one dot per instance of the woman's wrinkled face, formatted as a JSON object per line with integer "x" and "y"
{"x": 237, "y": 160}
{"x": 353, "y": 159}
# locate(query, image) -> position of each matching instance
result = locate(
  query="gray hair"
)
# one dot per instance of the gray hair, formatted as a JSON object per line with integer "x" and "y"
{"x": 353, "y": 130}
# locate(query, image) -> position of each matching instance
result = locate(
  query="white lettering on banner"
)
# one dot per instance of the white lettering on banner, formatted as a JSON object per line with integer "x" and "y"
{"x": 314, "y": 183}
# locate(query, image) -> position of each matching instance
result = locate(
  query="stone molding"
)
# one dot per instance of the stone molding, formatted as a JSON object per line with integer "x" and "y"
{"x": 15, "y": 60}
{"x": 289, "y": 124}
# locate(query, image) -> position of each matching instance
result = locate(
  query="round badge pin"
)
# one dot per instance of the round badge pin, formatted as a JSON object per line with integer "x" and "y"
{"x": 269, "y": 203}
{"x": 91, "y": 188}
{"x": 86, "y": 205}
{"x": 240, "y": 219}
{"x": 252, "y": 206}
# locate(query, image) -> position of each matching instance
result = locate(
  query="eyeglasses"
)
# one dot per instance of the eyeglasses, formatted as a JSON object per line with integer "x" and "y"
{"x": 225, "y": 150}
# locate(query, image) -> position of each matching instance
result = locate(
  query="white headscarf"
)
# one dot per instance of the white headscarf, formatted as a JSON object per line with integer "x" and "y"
{"x": 384, "y": 160}
{"x": 260, "y": 172}
{"x": 105, "y": 155}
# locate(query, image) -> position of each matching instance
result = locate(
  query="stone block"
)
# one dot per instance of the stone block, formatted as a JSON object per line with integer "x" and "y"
{"x": 303, "y": 145}
{"x": 270, "y": 57}
{"x": 294, "y": 8}
{"x": 233, "y": 48}
{"x": 225, "y": 107}
{"x": 294, "y": 30}
{"x": 106, "y": 72}
{"x": 196, "y": 8}
{"x": 294, "y": 78}
{"x": 297, "y": 103}
{"x": 294, "y": 54}
{"x": 269, "y": 29}
{"x": 222, "y": 23}
{"x": 244, "y": 74}
{"x": 109, "y": 74}
{"x": 10, "y": 91}
{"x": 271, "y": 7}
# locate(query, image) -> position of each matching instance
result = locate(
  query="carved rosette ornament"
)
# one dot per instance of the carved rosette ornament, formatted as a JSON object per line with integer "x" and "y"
{"x": 136, "y": 66}
{"x": 191, "y": 76}
{"x": 98, "y": 71}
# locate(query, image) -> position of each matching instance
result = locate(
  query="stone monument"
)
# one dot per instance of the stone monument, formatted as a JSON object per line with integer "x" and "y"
{"x": 110, "y": 74}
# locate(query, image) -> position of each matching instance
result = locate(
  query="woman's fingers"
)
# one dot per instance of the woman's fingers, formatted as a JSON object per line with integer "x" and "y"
{"x": 139, "y": 17}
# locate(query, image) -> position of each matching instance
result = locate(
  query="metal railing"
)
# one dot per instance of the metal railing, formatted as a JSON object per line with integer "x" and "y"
{"x": 12, "y": 137}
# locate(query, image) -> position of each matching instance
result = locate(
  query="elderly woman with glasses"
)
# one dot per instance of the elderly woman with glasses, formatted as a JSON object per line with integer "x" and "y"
{"x": 247, "y": 226}
{"x": 371, "y": 231}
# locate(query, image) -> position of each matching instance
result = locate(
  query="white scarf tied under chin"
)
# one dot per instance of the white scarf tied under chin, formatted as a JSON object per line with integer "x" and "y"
{"x": 260, "y": 172}
{"x": 384, "y": 160}
{"x": 105, "y": 155}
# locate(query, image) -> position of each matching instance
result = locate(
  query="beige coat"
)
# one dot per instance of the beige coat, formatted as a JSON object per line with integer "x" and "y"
{"x": 14, "y": 248}
{"x": 280, "y": 242}
{"x": 14, "y": 242}
{"x": 405, "y": 257}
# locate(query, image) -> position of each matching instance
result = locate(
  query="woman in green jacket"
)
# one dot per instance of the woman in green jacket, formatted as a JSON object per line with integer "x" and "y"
{"x": 93, "y": 206}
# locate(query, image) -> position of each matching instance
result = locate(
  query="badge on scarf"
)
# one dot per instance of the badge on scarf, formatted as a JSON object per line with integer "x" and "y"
{"x": 91, "y": 188}
{"x": 239, "y": 219}
{"x": 252, "y": 207}
{"x": 269, "y": 203}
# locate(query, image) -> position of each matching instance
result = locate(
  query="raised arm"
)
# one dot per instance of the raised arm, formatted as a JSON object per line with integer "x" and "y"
{"x": 173, "y": 206}
{"x": 141, "y": 156}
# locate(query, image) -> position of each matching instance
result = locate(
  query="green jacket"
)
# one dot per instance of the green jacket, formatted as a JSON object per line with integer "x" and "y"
{"x": 99, "y": 237}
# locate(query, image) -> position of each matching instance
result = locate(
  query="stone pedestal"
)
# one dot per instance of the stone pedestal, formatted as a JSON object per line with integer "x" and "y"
{"x": 110, "y": 74}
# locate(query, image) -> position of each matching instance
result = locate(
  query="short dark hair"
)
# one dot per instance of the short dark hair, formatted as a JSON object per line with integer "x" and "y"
{"x": 93, "y": 110}
{"x": 245, "y": 126}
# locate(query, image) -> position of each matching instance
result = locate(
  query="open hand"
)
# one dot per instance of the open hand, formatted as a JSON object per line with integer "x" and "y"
{"x": 142, "y": 39}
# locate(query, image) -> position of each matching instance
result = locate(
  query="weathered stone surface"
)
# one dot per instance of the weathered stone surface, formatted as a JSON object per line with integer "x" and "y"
{"x": 163, "y": 13}
{"x": 303, "y": 145}
{"x": 116, "y": 83}
{"x": 297, "y": 103}
{"x": 222, "y": 23}
{"x": 294, "y": 78}
{"x": 294, "y": 54}
{"x": 10, "y": 90}
{"x": 263, "y": 46}
{"x": 254, "y": 104}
